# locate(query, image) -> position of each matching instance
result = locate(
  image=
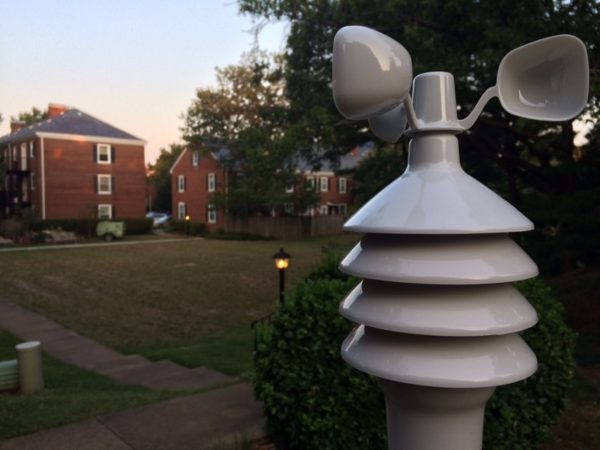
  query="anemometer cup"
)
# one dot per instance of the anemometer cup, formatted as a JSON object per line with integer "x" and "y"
{"x": 545, "y": 80}
{"x": 372, "y": 73}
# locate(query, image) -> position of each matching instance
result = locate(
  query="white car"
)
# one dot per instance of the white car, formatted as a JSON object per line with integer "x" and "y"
{"x": 158, "y": 218}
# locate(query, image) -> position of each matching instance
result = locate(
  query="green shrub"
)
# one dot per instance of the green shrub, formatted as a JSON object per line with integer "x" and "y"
{"x": 313, "y": 399}
{"x": 137, "y": 226}
{"x": 188, "y": 227}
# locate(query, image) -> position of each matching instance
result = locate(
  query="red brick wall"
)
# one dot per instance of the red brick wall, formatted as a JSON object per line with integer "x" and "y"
{"x": 69, "y": 180}
{"x": 332, "y": 195}
{"x": 196, "y": 196}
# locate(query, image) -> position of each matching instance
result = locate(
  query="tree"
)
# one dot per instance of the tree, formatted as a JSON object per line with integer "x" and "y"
{"x": 32, "y": 116}
{"x": 529, "y": 162}
{"x": 465, "y": 38}
{"x": 247, "y": 115}
{"x": 160, "y": 175}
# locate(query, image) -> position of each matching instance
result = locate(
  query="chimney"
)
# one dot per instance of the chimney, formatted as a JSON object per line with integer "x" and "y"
{"x": 16, "y": 125}
{"x": 55, "y": 109}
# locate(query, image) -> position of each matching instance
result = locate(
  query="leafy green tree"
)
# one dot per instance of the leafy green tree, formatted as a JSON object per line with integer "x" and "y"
{"x": 247, "y": 114}
{"x": 32, "y": 116}
{"x": 519, "y": 158}
{"x": 466, "y": 38}
{"x": 160, "y": 175}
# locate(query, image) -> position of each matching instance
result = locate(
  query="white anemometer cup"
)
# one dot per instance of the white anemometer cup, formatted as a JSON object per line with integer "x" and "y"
{"x": 437, "y": 316}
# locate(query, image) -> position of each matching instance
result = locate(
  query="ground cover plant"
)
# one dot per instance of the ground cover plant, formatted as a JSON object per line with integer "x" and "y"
{"x": 70, "y": 395}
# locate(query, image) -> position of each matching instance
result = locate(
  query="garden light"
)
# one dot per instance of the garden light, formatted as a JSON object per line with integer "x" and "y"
{"x": 437, "y": 316}
{"x": 282, "y": 261}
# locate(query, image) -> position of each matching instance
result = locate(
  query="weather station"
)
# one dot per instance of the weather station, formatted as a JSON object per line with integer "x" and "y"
{"x": 437, "y": 316}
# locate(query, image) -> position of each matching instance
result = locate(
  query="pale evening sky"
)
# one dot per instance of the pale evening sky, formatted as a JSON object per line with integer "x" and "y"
{"x": 133, "y": 63}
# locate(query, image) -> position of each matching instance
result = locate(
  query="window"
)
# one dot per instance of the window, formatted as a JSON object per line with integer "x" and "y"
{"x": 23, "y": 155}
{"x": 310, "y": 183}
{"x": 343, "y": 209}
{"x": 211, "y": 181}
{"x": 323, "y": 210}
{"x": 105, "y": 211}
{"x": 32, "y": 180}
{"x": 324, "y": 184}
{"x": 181, "y": 211}
{"x": 31, "y": 149}
{"x": 342, "y": 185}
{"x": 211, "y": 214}
{"x": 289, "y": 189}
{"x": 181, "y": 183}
{"x": 195, "y": 158}
{"x": 103, "y": 154}
{"x": 104, "y": 184}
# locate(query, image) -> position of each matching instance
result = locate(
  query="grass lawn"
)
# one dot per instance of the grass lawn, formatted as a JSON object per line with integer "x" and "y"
{"x": 70, "y": 395}
{"x": 189, "y": 301}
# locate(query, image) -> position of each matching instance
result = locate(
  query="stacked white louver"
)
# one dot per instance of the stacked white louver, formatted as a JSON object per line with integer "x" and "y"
{"x": 438, "y": 316}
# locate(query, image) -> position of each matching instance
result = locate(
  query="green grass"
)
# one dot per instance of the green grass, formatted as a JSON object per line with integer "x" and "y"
{"x": 70, "y": 395}
{"x": 186, "y": 301}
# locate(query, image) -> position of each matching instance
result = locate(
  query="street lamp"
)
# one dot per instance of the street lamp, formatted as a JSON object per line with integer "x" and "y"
{"x": 438, "y": 319}
{"x": 282, "y": 261}
{"x": 187, "y": 225}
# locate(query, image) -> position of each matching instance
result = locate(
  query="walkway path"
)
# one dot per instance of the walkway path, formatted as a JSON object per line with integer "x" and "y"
{"x": 35, "y": 248}
{"x": 226, "y": 412}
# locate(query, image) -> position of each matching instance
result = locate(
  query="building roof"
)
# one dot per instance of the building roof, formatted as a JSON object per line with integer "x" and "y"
{"x": 71, "y": 122}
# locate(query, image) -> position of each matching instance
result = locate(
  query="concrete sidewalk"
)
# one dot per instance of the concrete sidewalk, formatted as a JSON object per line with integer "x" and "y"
{"x": 212, "y": 420}
{"x": 224, "y": 414}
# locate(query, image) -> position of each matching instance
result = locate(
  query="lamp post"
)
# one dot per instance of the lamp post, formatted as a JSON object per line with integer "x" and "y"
{"x": 187, "y": 225}
{"x": 282, "y": 261}
{"x": 437, "y": 316}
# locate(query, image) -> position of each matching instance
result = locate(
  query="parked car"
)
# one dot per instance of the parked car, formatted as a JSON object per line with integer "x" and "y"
{"x": 158, "y": 218}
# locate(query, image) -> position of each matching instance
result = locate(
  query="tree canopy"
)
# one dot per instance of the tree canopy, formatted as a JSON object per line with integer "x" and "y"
{"x": 466, "y": 38}
{"x": 32, "y": 116}
{"x": 160, "y": 176}
{"x": 534, "y": 164}
{"x": 247, "y": 115}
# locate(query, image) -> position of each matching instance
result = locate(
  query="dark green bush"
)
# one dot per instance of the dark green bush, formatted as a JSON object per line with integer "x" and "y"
{"x": 188, "y": 227}
{"x": 137, "y": 226}
{"x": 313, "y": 400}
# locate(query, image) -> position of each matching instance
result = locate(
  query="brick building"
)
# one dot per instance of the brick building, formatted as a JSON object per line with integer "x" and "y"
{"x": 72, "y": 165}
{"x": 195, "y": 177}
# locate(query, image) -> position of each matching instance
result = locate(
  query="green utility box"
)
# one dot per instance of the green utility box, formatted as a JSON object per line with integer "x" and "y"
{"x": 109, "y": 230}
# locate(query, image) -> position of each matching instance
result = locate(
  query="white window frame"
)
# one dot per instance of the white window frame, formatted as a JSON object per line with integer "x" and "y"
{"x": 211, "y": 214}
{"x": 31, "y": 149}
{"x": 181, "y": 210}
{"x": 99, "y": 182}
{"x": 342, "y": 185}
{"x": 181, "y": 183}
{"x": 212, "y": 182}
{"x": 99, "y": 152}
{"x": 289, "y": 189}
{"x": 324, "y": 184}
{"x": 323, "y": 210}
{"x": 310, "y": 181}
{"x": 32, "y": 180}
{"x": 106, "y": 206}
{"x": 195, "y": 158}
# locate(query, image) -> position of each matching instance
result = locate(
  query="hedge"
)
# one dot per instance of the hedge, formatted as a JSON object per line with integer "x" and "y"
{"x": 188, "y": 227}
{"x": 313, "y": 399}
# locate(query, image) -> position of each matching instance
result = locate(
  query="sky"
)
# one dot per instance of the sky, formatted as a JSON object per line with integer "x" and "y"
{"x": 135, "y": 64}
